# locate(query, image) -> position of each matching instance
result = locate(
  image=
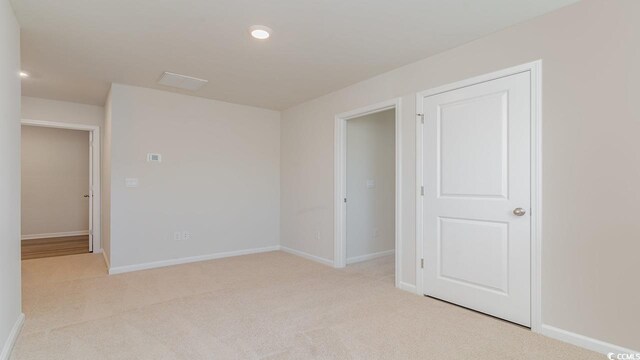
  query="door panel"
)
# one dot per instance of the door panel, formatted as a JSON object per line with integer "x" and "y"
{"x": 476, "y": 171}
{"x": 480, "y": 124}
{"x": 474, "y": 253}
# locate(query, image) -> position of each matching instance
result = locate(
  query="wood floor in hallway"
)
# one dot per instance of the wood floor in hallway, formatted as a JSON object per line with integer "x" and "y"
{"x": 58, "y": 246}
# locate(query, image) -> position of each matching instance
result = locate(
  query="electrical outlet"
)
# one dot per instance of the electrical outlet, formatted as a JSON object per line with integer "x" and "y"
{"x": 318, "y": 235}
{"x": 177, "y": 236}
{"x": 186, "y": 235}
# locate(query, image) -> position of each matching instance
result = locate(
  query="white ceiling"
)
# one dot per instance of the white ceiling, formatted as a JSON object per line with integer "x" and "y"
{"x": 75, "y": 48}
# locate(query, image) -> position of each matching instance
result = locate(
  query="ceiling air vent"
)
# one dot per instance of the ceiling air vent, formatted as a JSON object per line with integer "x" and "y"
{"x": 181, "y": 81}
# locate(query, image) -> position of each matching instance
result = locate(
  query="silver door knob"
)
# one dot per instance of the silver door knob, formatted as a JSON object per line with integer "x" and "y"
{"x": 519, "y": 211}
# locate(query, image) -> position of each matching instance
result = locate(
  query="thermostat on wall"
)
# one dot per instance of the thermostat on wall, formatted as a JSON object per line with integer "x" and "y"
{"x": 154, "y": 157}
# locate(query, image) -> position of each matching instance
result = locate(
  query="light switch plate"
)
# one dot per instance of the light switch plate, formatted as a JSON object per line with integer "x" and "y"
{"x": 371, "y": 184}
{"x": 131, "y": 182}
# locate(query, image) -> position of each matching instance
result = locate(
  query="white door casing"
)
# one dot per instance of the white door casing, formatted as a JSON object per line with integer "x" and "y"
{"x": 476, "y": 170}
{"x": 340, "y": 182}
{"x": 90, "y": 192}
{"x": 94, "y": 164}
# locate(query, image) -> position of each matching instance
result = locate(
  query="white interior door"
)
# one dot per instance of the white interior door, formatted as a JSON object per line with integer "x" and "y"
{"x": 477, "y": 196}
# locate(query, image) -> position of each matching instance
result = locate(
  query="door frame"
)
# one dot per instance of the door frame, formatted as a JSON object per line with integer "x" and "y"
{"x": 95, "y": 244}
{"x": 535, "y": 70}
{"x": 340, "y": 181}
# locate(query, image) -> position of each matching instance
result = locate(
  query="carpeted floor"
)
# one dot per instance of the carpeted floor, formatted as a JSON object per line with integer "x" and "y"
{"x": 265, "y": 306}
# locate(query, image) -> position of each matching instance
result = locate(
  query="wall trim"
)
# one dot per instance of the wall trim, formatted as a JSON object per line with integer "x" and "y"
{"x": 340, "y": 181}
{"x": 583, "y": 341}
{"x": 106, "y": 261}
{"x": 357, "y": 259}
{"x": 55, "y": 235}
{"x": 186, "y": 260}
{"x": 13, "y": 337}
{"x": 407, "y": 287}
{"x": 535, "y": 70}
{"x": 307, "y": 256}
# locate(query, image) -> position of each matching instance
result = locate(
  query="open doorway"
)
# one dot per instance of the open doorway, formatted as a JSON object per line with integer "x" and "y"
{"x": 368, "y": 189}
{"x": 59, "y": 177}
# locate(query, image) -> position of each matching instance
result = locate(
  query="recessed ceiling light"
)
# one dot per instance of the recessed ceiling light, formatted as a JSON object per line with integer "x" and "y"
{"x": 24, "y": 74}
{"x": 260, "y": 32}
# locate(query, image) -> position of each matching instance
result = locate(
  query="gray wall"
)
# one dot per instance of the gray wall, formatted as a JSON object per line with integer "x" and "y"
{"x": 590, "y": 158}
{"x": 9, "y": 174}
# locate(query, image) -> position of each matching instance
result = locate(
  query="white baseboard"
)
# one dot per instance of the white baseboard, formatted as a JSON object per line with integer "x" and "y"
{"x": 563, "y": 335}
{"x": 106, "y": 261}
{"x": 583, "y": 341}
{"x": 408, "y": 287}
{"x": 357, "y": 259}
{"x": 55, "y": 235}
{"x": 186, "y": 260}
{"x": 5, "y": 353}
{"x": 307, "y": 256}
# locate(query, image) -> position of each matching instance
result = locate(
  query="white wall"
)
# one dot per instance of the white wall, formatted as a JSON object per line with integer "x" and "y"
{"x": 61, "y": 111}
{"x": 590, "y": 157}
{"x": 219, "y": 176}
{"x": 105, "y": 215}
{"x": 10, "y": 307}
{"x": 370, "y": 207}
{"x": 55, "y": 176}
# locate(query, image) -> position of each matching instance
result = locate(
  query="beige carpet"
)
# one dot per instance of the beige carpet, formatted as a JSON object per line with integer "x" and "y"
{"x": 265, "y": 306}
